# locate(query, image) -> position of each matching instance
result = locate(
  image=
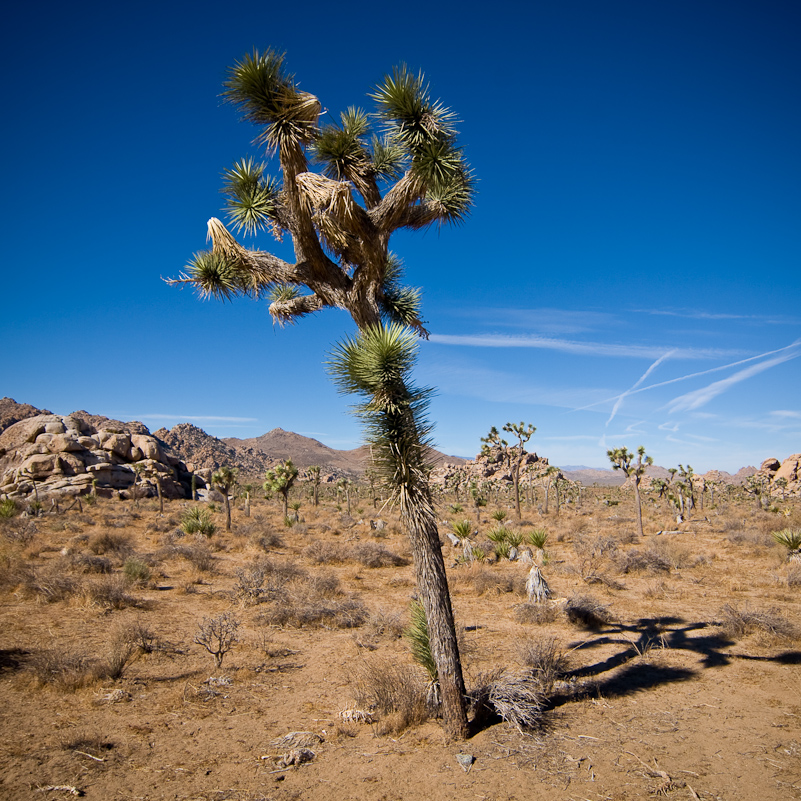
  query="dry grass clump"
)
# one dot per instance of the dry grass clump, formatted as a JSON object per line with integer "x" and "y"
{"x": 49, "y": 583}
{"x": 109, "y": 592}
{"x": 538, "y": 613}
{"x": 325, "y": 553}
{"x": 265, "y": 540}
{"x": 89, "y": 563}
{"x": 742, "y": 536}
{"x": 371, "y": 554}
{"x": 484, "y": 580}
{"x": 742, "y": 622}
{"x": 394, "y": 691}
{"x": 198, "y": 554}
{"x": 587, "y": 611}
{"x": 645, "y": 560}
{"x": 384, "y": 623}
{"x": 515, "y": 696}
{"x": 110, "y": 542}
{"x": 60, "y": 667}
{"x": 546, "y": 659}
{"x": 315, "y": 600}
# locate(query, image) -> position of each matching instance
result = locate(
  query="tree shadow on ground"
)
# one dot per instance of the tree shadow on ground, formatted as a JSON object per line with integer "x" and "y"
{"x": 640, "y": 638}
{"x": 12, "y": 659}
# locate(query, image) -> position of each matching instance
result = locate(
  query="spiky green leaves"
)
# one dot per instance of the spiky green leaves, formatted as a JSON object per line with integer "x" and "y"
{"x": 267, "y": 96}
{"x": 400, "y": 304}
{"x": 425, "y": 131}
{"x": 376, "y": 365}
{"x": 417, "y": 636}
{"x": 405, "y": 106}
{"x": 252, "y": 196}
{"x": 216, "y": 275}
{"x": 341, "y": 148}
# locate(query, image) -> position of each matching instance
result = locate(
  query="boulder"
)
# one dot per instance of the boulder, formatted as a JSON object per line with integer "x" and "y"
{"x": 790, "y": 469}
{"x": 116, "y": 443}
{"x": 770, "y": 465}
{"x": 62, "y": 443}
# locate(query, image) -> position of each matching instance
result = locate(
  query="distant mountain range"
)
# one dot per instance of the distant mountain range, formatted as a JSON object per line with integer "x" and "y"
{"x": 202, "y": 452}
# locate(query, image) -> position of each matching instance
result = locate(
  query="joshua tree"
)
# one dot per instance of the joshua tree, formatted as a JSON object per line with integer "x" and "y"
{"x": 340, "y": 220}
{"x": 479, "y": 501}
{"x": 344, "y": 485}
{"x": 223, "y": 479}
{"x": 376, "y": 365}
{"x": 280, "y": 479}
{"x": 513, "y": 455}
{"x": 621, "y": 459}
{"x": 314, "y": 472}
{"x": 550, "y": 474}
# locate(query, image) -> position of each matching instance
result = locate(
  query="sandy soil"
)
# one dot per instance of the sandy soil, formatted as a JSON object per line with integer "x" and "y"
{"x": 662, "y": 699}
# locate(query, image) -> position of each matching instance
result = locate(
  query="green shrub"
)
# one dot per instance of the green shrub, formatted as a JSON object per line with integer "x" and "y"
{"x": 197, "y": 520}
{"x": 135, "y": 570}
{"x": 463, "y": 529}
{"x": 8, "y": 508}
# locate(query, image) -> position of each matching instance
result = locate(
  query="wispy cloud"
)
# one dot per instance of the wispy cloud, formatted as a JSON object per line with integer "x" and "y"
{"x": 545, "y": 320}
{"x": 700, "y": 397}
{"x": 697, "y": 314}
{"x": 786, "y": 413}
{"x": 637, "y": 383}
{"x": 790, "y": 347}
{"x": 576, "y": 347}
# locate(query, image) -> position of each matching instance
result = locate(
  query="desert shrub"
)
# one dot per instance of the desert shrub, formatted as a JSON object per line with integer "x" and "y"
{"x": 462, "y": 529}
{"x": 546, "y": 659}
{"x": 314, "y": 600}
{"x": 199, "y": 555}
{"x": 139, "y": 636}
{"x": 218, "y": 635}
{"x": 646, "y": 560}
{"x": 324, "y": 553}
{"x": 60, "y": 667}
{"x": 384, "y": 623}
{"x": 136, "y": 571}
{"x": 794, "y": 574}
{"x": 89, "y": 563}
{"x": 741, "y": 622}
{"x": 395, "y": 691}
{"x": 50, "y": 583}
{"x": 265, "y": 540}
{"x": 371, "y": 554}
{"x": 197, "y": 520}
{"x": 537, "y": 613}
{"x": 18, "y": 530}
{"x": 120, "y": 652}
{"x": 249, "y": 587}
{"x": 593, "y": 557}
{"x": 103, "y": 542}
{"x": 749, "y": 536}
{"x": 586, "y": 611}
{"x": 109, "y": 592}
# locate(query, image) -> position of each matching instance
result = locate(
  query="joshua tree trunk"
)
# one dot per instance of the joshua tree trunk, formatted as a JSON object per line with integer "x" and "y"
{"x": 418, "y": 516}
{"x": 227, "y": 510}
{"x": 516, "y": 480}
{"x": 638, "y": 504}
{"x": 161, "y": 496}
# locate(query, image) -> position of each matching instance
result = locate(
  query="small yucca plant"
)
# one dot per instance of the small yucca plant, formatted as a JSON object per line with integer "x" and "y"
{"x": 790, "y": 538}
{"x": 416, "y": 634}
{"x": 538, "y": 537}
{"x": 197, "y": 521}
{"x": 463, "y": 529}
{"x": 499, "y": 535}
{"x": 498, "y": 515}
{"x": 514, "y": 538}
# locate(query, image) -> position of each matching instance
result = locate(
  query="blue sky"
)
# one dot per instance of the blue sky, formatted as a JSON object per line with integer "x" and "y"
{"x": 629, "y": 275}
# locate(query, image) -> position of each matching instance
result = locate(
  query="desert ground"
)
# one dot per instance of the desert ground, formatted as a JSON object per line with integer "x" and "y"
{"x": 664, "y": 665}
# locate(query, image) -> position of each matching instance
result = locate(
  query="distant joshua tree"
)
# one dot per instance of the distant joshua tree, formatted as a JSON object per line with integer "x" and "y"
{"x": 280, "y": 479}
{"x": 314, "y": 472}
{"x": 224, "y": 479}
{"x": 621, "y": 459}
{"x": 513, "y": 454}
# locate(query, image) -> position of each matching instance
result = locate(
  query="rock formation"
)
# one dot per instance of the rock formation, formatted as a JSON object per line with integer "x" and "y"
{"x": 48, "y": 454}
